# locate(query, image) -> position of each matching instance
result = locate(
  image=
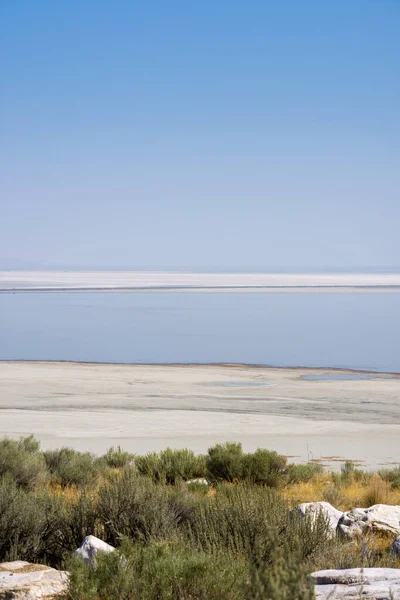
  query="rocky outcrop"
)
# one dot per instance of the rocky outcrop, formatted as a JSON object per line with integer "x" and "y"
{"x": 314, "y": 509}
{"x": 353, "y": 584}
{"x": 90, "y": 546}
{"x": 20, "y": 580}
{"x": 380, "y": 517}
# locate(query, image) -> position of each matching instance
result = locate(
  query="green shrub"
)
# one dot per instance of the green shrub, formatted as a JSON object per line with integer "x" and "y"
{"x": 303, "y": 473}
{"x": 71, "y": 467}
{"x": 392, "y": 476}
{"x": 224, "y": 462}
{"x": 237, "y": 519}
{"x": 349, "y": 472}
{"x": 171, "y": 466}
{"x": 74, "y": 520}
{"x": 22, "y": 461}
{"x": 227, "y": 462}
{"x": 334, "y": 496}
{"x": 27, "y": 523}
{"x": 116, "y": 458}
{"x": 282, "y": 577}
{"x": 264, "y": 467}
{"x": 241, "y": 519}
{"x": 159, "y": 571}
{"x": 133, "y": 506}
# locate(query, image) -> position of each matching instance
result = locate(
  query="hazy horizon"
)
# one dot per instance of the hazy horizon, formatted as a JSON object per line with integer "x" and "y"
{"x": 29, "y": 267}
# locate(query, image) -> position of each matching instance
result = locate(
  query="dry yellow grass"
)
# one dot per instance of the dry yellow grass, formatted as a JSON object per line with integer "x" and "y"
{"x": 308, "y": 491}
{"x": 344, "y": 495}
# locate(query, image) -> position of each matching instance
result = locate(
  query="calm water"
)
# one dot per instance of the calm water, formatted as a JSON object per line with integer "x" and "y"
{"x": 343, "y": 377}
{"x": 332, "y": 330}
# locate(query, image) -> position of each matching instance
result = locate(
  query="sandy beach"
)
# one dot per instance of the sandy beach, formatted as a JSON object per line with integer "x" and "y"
{"x": 149, "y": 407}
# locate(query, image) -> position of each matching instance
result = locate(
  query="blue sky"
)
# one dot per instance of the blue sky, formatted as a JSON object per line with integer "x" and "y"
{"x": 188, "y": 134}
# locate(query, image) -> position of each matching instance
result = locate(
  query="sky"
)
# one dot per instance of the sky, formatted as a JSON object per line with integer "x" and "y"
{"x": 209, "y": 134}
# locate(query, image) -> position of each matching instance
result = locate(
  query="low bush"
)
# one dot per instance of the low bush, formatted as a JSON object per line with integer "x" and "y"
{"x": 22, "y": 461}
{"x": 70, "y": 467}
{"x": 171, "y": 466}
{"x": 132, "y": 506}
{"x": 116, "y": 458}
{"x": 237, "y": 519}
{"x": 227, "y": 462}
{"x": 392, "y": 476}
{"x": 264, "y": 467}
{"x": 160, "y": 571}
{"x": 28, "y": 523}
{"x": 238, "y": 539}
{"x": 303, "y": 473}
{"x": 349, "y": 472}
{"x": 283, "y": 577}
{"x": 224, "y": 462}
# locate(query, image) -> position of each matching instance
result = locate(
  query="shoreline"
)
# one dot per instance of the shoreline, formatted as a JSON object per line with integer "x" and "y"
{"x": 259, "y": 366}
{"x": 92, "y": 406}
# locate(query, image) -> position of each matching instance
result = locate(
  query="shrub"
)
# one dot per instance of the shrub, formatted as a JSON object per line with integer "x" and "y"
{"x": 303, "y": 473}
{"x": 263, "y": 467}
{"x": 133, "y": 506}
{"x": 22, "y": 461}
{"x": 334, "y": 496}
{"x": 349, "y": 473}
{"x": 74, "y": 519}
{"x": 225, "y": 462}
{"x": 160, "y": 571}
{"x": 171, "y": 466}
{"x": 284, "y": 577}
{"x": 70, "y": 467}
{"x": 116, "y": 458}
{"x": 236, "y": 519}
{"x": 27, "y": 523}
{"x": 392, "y": 476}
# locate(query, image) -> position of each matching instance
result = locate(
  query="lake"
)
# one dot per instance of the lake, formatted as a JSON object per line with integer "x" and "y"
{"x": 358, "y": 331}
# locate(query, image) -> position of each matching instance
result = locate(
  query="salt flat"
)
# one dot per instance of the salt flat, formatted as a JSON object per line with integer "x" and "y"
{"x": 148, "y": 407}
{"x": 142, "y": 280}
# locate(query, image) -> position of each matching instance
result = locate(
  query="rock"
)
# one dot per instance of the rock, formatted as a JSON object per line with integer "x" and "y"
{"x": 331, "y": 514}
{"x": 199, "y": 481}
{"x": 395, "y": 547}
{"x": 90, "y": 546}
{"x": 20, "y": 580}
{"x": 380, "y": 517}
{"x": 353, "y": 584}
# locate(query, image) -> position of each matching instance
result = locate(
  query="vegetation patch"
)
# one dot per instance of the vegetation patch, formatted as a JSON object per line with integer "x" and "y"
{"x": 237, "y": 538}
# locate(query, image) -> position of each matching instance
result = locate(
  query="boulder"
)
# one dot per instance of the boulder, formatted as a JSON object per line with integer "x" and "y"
{"x": 331, "y": 514}
{"x": 199, "y": 481}
{"x": 395, "y": 547}
{"x": 353, "y": 584}
{"x": 90, "y": 546}
{"x": 380, "y": 517}
{"x": 20, "y": 580}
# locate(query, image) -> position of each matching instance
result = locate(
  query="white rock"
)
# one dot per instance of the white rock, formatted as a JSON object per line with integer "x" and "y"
{"x": 353, "y": 584}
{"x": 20, "y": 580}
{"x": 331, "y": 514}
{"x": 200, "y": 481}
{"x": 395, "y": 547}
{"x": 90, "y": 546}
{"x": 380, "y": 517}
